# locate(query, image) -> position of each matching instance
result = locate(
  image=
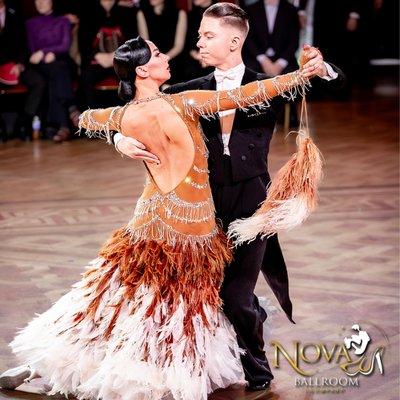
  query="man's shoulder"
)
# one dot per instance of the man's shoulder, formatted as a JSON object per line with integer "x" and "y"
{"x": 193, "y": 84}
{"x": 251, "y": 75}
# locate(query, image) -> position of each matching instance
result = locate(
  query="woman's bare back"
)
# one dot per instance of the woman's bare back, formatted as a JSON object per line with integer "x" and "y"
{"x": 162, "y": 130}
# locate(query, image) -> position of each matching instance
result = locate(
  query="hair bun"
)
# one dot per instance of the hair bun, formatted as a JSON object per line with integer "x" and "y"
{"x": 126, "y": 90}
{"x": 127, "y": 57}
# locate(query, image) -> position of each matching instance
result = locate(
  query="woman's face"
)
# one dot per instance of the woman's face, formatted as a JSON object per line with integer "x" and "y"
{"x": 107, "y": 4}
{"x": 155, "y": 3}
{"x": 158, "y": 65}
{"x": 44, "y": 7}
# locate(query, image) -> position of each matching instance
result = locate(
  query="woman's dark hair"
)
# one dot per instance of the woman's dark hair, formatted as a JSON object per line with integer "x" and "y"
{"x": 127, "y": 57}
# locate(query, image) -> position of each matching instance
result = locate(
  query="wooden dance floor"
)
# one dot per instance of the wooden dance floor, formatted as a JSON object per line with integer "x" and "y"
{"x": 58, "y": 203}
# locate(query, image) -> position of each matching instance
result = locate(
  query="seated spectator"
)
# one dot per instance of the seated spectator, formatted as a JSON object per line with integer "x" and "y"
{"x": 273, "y": 40}
{"x": 49, "y": 40}
{"x": 14, "y": 69}
{"x": 103, "y": 31}
{"x": 72, "y": 10}
{"x": 161, "y": 22}
{"x": 335, "y": 28}
{"x": 195, "y": 67}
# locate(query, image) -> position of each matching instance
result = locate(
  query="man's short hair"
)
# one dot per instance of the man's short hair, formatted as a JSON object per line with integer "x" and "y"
{"x": 229, "y": 14}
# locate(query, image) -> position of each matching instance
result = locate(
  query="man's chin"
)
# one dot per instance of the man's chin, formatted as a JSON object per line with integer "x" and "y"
{"x": 206, "y": 62}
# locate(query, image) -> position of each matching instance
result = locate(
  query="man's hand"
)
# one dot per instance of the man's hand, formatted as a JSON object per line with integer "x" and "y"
{"x": 315, "y": 65}
{"x": 134, "y": 149}
{"x": 49, "y": 58}
{"x": 36, "y": 57}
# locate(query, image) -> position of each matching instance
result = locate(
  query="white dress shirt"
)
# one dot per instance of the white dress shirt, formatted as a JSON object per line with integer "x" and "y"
{"x": 227, "y": 80}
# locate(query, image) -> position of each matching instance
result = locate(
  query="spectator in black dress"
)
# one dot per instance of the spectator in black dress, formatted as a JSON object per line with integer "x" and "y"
{"x": 103, "y": 30}
{"x": 161, "y": 22}
{"x": 195, "y": 67}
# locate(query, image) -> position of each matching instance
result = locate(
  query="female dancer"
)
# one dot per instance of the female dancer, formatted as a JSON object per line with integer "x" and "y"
{"x": 145, "y": 321}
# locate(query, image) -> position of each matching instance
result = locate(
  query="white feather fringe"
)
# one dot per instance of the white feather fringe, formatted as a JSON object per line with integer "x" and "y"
{"x": 285, "y": 216}
{"x": 135, "y": 363}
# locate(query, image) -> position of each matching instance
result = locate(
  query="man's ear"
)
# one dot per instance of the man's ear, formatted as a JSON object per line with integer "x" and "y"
{"x": 236, "y": 42}
{"x": 142, "y": 71}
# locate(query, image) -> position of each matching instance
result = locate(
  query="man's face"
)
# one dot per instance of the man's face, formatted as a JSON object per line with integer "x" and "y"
{"x": 215, "y": 39}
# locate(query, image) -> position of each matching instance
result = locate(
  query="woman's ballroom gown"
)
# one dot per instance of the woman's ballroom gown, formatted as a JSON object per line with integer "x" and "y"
{"x": 145, "y": 321}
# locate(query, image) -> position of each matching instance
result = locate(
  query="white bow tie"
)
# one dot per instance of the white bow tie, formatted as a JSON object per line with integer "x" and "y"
{"x": 221, "y": 75}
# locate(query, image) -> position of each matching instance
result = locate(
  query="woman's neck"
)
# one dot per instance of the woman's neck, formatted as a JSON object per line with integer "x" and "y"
{"x": 146, "y": 89}
{"x": 158, "y": 10}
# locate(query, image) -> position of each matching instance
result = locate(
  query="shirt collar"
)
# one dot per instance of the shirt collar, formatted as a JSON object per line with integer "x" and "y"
{"x": 238, "y": 70}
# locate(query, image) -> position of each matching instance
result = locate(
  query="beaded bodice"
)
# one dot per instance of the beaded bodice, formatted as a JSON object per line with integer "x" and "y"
{"x": 186, "y": 213}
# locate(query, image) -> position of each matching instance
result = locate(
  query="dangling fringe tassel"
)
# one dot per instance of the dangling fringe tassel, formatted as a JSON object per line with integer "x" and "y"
{"x": 292, "y": 194}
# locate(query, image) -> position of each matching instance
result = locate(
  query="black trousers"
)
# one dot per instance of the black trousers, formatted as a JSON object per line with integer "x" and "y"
{"x": 36, "y": 89}
{"x": 58, "y": 77}
{"x": 241, "y": 305}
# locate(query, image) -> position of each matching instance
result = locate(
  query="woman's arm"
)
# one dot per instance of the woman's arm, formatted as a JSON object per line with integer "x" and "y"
{"x": 102, "y": 122}
{"x": 209, "y": 102}
{"x": 142, "y": 25}
{"x": 180, "y": 35}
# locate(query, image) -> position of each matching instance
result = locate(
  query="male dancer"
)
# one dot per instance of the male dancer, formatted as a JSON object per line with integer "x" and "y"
{"x": 238, "y": 143}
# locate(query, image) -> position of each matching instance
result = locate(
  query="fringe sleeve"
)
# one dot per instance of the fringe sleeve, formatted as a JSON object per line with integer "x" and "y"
{"x": 253, "y": 95}
{"x": 101, "y": 122}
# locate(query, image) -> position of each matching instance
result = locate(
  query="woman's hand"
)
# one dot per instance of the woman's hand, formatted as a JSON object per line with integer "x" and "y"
{"x": 132, "y": 148}
{"x": 49, "y": 58}
{"x": 36, "y": 57}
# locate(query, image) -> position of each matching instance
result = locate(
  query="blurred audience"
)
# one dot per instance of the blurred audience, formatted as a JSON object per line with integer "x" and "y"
{"x": 14, "y": 69}
{"x": 49, "y": 41}
{"x": 273, "y": 41}
{"x": 74, "y": 40}
{"x": 273, "y": 37}
{"x": 165, "y": 25}
{"x": 334, "y": 31}
{"x": 195, "y": 67}
{"x": 104, "y": 32}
